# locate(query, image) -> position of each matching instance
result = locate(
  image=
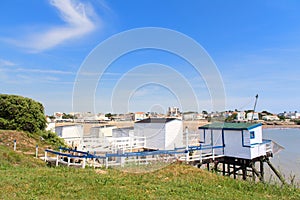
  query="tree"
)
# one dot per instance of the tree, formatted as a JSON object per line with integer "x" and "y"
{"x": 231, "y": 118}
{"x": 21, "y": 113}
{"x": 68, "y": 116}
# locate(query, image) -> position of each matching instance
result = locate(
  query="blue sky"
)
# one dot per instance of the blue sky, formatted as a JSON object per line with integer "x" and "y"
{"x": 254, "y": 44}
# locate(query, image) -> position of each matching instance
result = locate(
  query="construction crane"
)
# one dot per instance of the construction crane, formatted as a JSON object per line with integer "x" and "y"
{"x": 256, "y": 97}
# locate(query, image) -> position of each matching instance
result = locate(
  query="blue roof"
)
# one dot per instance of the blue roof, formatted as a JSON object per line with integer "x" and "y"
{"x": 230, "y": 126}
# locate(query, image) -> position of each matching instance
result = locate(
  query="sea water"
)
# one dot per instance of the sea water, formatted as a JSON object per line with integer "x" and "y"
{"x": 286, "y": 161}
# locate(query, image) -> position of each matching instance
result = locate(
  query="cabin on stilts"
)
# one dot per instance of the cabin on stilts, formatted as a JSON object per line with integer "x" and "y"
{"x": 243, "y": 152}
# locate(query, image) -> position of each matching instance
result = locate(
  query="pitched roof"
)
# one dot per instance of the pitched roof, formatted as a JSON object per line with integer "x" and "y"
{"x": 156, "y": 120}
{"x": 230, "y": 126}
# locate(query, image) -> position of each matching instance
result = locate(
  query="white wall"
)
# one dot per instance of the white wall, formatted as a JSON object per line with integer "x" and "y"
{"x": 102, "y": 131}
{"x": 71, "y": 134}
{"x": 174, "y": 134}
{"x": 154, "y": 133}
{"x": 234, "y": 146}
{"x": 163, "y": 136}
{"x": 257, "y": 134}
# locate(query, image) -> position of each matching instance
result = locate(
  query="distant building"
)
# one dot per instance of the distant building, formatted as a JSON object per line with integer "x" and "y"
{"x": 58, "y": 115}
{"x": 160, "y": 133}
{"x": 173, "y": 112}
{"x": 139, "y": 116}
{"x": 241, "y": 116}
{"x": 189, "y": 116}
{"x": 50, "y": 126}
{"x": 251, "y": 116}
{"x": 270, "y": 118}
{"x": 293, "y": 115}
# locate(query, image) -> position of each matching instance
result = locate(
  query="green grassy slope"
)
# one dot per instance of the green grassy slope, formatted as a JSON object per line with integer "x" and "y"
{"x": 173, "y": 182}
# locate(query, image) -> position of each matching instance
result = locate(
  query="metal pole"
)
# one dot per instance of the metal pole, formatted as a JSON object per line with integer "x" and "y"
{"x": 187, "y": 143}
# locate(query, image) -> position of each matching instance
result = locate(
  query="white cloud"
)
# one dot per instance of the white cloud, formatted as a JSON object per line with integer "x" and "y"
{"x": 78, "y": 22}
{"x": 6, "y": 63}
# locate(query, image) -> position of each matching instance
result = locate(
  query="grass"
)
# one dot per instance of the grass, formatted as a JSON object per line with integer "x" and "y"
{"x": 173, "y": 182}
{"x": 24, "y": 177}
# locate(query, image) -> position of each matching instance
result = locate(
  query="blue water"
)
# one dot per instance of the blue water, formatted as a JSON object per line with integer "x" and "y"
{"x": 287, "y": 160}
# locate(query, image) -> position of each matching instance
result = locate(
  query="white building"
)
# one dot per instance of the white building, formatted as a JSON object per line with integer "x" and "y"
{"x": 238, "y": 140}
{"x": 173, "y": 112}
{"x": 72, "y": 134}
{"x": 241, "y": 116}
{"x": 270, "y": 118}
{"x": 189, "y": 116}
{"x": 160, "y": 133}
{"x": 139, "y": 116}
{"x": 50, "y": 126}
{"x": 102, "y": 131}
{"x": 251, "y": 116}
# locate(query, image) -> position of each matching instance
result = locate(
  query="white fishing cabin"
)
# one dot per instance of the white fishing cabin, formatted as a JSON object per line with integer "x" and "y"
{"x": 238, "y": 140}
{"x": 160, "y": 133}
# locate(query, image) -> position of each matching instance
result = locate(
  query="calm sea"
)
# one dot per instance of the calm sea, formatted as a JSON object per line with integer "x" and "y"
{"x": 287, "y": 160}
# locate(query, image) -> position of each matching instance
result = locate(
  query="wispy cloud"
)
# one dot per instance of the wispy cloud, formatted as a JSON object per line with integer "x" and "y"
{"x": 43, "y": 71}
{"x": 6, "y": 63}
{"x": 79, "y": 21}
{"x": 39, "y": 71}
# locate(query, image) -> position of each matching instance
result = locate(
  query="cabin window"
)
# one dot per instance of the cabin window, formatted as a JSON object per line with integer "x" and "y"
{"x": 252, "y": 135}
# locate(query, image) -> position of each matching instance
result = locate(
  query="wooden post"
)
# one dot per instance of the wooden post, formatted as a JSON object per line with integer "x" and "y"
{"x": 45, "y": 156}
{"x": 275, "y": 171}
{"x": 207, "y": 164}
{"x": 36, "y": 151}
{"x": 84, "y": 161}
{"x": 106, "y": 162}
{"x": 224, "y": 165}
{"x": 262, "y": 173}
{"x": 56, "y": 164}
{"x": 15, "y": 145}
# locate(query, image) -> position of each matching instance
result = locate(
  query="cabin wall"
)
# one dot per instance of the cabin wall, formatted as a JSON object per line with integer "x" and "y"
{"x": 234, "y": 146}
{"x": 257, "y": 135}
{"x": 154, "y": 133}
{"x": 174, "y": 134}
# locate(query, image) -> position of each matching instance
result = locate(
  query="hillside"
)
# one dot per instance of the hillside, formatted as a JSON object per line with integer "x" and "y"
{"x": 24, "y": 177}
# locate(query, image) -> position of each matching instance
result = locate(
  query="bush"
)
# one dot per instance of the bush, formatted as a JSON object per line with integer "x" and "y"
{"x": 20, "y": 113}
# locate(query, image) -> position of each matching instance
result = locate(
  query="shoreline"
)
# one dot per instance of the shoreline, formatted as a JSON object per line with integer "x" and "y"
{"x": 281, "y": 126}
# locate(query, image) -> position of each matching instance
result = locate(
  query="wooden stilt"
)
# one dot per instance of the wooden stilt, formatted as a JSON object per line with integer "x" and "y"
{"x": 262, "y": 173}
{"x": 253, "y": 171}
{"x": 244, "y": 167}
{"x": 228, "y": 169}
{"x": 275, "y": 171}
{"x": 234, "y": 171}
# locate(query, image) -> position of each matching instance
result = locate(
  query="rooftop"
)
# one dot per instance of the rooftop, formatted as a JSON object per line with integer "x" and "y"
{"x": 156, "y": 120}
{"x": 230, "y": 126}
